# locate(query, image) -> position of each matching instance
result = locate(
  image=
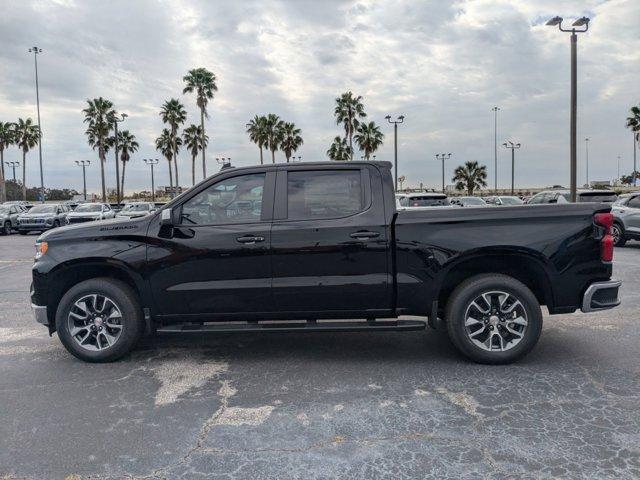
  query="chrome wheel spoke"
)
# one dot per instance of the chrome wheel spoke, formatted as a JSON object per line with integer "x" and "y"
{"x": 520, "y": 321}
{"x": 477, "y": 332}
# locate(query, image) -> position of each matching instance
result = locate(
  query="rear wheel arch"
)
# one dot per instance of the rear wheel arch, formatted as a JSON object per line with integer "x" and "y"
{"x": 521, "y": 266}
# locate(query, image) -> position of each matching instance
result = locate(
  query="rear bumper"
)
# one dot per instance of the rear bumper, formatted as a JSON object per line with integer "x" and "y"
{"x": 601, "y": 296}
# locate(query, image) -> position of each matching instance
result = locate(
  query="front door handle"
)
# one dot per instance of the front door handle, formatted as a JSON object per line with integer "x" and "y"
{"x": 249, "y": 239}
{"x": 364, "y": 235}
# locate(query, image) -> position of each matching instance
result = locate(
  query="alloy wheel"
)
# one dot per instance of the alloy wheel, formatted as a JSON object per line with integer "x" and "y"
{"x": 615, "y": 233}
{"x": 95, "y": 322}
{"x": 496, "y": 321}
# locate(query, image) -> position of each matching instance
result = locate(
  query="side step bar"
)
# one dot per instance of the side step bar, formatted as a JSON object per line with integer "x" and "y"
{"x": 310, "y": 326}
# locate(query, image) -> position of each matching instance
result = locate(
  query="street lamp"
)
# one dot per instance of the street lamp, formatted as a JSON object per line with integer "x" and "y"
{"x": 618, "y": 179}
{"x": 495, "y": 147}
{"x": 586, "y": 151}
{"x": 151, "y": 162}
{"x": 581, "y": 22}
{"x": 395, "y": 145}
{"x": 443, "y": 157}
{"x": 13, "y": 165}
{"x": 84, "y": 164}
{"x": 115, "y": 121}
{"x": 36, "y": 51}
{"x": 513, "y": 147}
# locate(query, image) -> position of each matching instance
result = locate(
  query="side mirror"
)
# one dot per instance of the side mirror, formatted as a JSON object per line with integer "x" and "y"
{"x": 165, "y": 217}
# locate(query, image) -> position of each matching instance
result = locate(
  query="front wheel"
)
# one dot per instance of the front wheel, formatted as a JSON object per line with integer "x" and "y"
{"x": 493, "y": 319}
{"x": 99, "y": 320}
{"x": 6, "y": 229}
{"x": 617, "y": 232}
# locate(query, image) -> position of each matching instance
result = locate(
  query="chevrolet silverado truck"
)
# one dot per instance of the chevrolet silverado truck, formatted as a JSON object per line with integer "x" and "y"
{"x": 321, "y": 247}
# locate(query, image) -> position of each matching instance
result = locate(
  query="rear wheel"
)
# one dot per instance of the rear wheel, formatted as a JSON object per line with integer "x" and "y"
{"x": 56, "y": 224}
{"x": 99, "y": 320}
{"x": 617, "y": 232}
{"x": 493, "y": 319}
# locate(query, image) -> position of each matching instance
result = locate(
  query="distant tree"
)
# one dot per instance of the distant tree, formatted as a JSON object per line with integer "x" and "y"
{"x": 470, "y": 177}
{"x": 348, "y": 111}
{"x": 633, "y": 123}
{"x": 339, "y": 150}
{"x": 368, "y": 138}
{"x": 274, "y": 130}
{"x": 291, "y": 139}
{"x": 257, "y": 130}
{"x": 203, "y": 83}
{"x": 192, "y": 136}
{"x": 174, "y": 114}
{"x": 98, "y": 113}
{"x": 27, "y": 136}
{"x": 165, "y": 145}
{"x": 128, "y": 145}
{"x": 7, "y": 138}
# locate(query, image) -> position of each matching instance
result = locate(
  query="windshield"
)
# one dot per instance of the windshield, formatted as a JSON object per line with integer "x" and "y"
{"x": 88, "y": 208}
{"x": 43, "y": 209}
{"x": 622, "y": 200}
{"x": 136, "y": 207}
{"x": 511, "y": 201}
{"x": 472, "y": 201}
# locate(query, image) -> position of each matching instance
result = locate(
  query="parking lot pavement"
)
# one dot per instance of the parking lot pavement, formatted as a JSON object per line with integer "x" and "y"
{"x": 355, "y": 405}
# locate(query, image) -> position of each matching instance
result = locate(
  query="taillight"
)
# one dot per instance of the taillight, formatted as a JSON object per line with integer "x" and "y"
{"x": 605, "y": 220}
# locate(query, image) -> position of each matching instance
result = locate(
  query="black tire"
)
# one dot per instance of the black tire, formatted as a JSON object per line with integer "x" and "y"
{"x": 464, "y": 295}
{"x": 132, "y": 321}
{"x": 6, "y": 228}
{"x": 22, "y": 232}
{"x": 56, "y": 224}
{"x": 618, "y": 232}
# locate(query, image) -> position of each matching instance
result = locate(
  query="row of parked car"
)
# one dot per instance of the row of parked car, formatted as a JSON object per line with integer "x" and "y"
{"x": 625, "y": 208}
{"x": 24, "y": 217}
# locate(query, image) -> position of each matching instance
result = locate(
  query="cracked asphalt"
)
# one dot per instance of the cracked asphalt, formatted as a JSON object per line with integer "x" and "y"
{"x": 319, "y": 406}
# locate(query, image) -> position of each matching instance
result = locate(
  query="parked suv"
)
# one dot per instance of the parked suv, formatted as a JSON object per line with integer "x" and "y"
{"x": 503, "y": 200}
{"x": 43, "y": 217}
{"x": 136, "y": 209}
{"x": 9, "y": 218}
{"x": 564, "y": 196}
{"x": 88, "y": 212}
{"x": 626, "y": 212}
{"x": 424, "y": 199}
{"x": 468, "y": 202}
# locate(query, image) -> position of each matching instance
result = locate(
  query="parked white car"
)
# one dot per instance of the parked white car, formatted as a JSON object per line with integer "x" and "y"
{"x": 89, "y": 212}
{"x": 136, "y": 210}
{"x": 422, "y": 200}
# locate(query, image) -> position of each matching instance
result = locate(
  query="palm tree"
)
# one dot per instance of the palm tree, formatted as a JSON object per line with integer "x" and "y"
{"x": 339, "y": 150}
{"x": 192, "y": 136}
{"x": 27, "y": 135}
{"x": 174, "y": 114}
{"x": 347, "y": 112}
{"x": 203, "y": 82}
{"x": 98, "y": 113}
{"x": 291, "y": 139}
{"x": 7, "y": 138}
{"x": 633, "y": 122}
{"x": 257, "y": 131}
{"x": 128, "y": 144}
{"x": 165, "y": 144}
{"x": 369, "y": 138}
{"x": 273, "y": 130}
{"x": 470, "y": 176}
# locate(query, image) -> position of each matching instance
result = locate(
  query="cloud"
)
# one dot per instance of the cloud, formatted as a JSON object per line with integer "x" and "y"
{"x": 443, "y": 65}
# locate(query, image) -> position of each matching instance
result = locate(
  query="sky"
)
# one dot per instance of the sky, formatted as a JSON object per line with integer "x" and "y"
{"x": 443, "y": 65}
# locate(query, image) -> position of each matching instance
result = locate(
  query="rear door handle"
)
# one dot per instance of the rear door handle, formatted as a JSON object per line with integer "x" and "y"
{"x": 250, "y": 239}
{"x": 364, "y": 235}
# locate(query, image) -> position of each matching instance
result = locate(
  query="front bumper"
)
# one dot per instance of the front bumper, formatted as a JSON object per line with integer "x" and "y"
{"x": 34, "y": 227}
{"x": 601, "y": 296}
{"x": 41, "y": 314}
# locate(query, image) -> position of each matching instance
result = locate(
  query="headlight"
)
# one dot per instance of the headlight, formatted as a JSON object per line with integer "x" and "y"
{"x": 41, "y": 249}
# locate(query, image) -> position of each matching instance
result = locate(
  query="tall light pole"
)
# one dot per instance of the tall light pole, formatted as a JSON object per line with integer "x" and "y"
{"x": 36, "y": 51}
{"x": 84, "y": 164}
{"x": 395, "y": 145}
{"x": 618, "y": 178}
{"x": 581, "y": 22}
{"x": 443, "y": 157}
{"x": 115, "y": 121}
{"x": 513, "y": 147}
{"x": 13, "y": 165}
{"x": 495, "y": 147}
{"x": 586, "y": 151}
{"x": 633, "y": 174}
{"x": 151, "y": 162}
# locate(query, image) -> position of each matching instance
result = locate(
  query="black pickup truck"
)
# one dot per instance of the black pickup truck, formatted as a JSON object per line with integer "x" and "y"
{"x": 322, "y": 247}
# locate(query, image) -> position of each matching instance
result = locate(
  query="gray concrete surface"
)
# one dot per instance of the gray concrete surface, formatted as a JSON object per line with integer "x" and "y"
{"x": 312, "y": 406}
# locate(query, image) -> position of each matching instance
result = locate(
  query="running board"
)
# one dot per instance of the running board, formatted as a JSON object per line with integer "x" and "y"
{"x": 310, "y": 326}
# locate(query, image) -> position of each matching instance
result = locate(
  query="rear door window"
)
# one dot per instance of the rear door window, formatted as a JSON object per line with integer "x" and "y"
{"x": 318, "y": 194}
{"x": 607, "y": 197}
